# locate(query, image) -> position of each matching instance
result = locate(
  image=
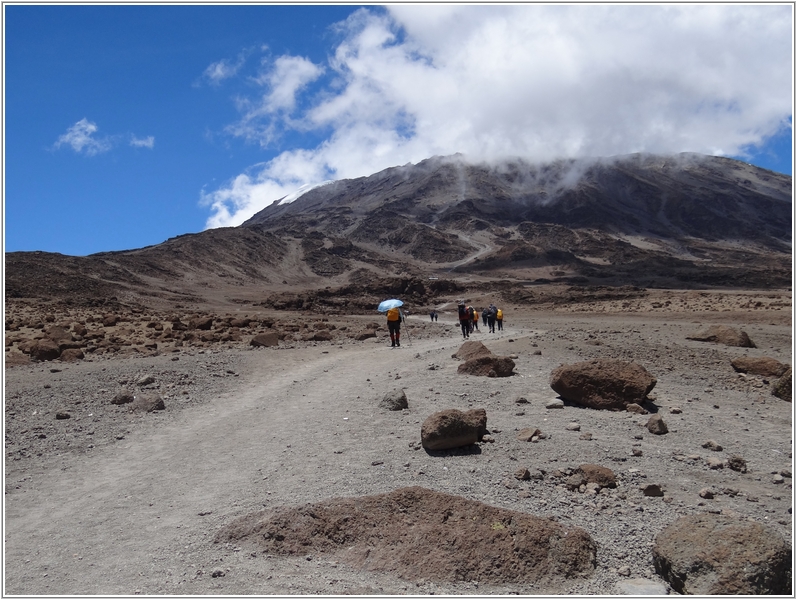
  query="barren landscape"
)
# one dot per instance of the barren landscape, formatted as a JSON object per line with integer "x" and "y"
{"x": 118, "y": 501}
{"x": 223, "y": 413}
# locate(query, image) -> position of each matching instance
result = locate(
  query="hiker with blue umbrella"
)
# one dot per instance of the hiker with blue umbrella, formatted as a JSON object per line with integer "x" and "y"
{"x": 394, "y": 319}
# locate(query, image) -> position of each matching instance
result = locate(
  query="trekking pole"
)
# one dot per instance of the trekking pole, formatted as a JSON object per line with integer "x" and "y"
{"x": 409, "y": 339}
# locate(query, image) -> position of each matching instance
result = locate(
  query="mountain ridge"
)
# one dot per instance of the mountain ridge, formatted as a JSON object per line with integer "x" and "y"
{"x": 647, "y": 220}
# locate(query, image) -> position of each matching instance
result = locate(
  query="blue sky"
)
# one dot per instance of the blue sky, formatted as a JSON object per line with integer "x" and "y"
{"x": 127, "y": 125}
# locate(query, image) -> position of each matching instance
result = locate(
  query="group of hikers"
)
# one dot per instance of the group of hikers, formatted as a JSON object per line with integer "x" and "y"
{"x": 468, "y": 320}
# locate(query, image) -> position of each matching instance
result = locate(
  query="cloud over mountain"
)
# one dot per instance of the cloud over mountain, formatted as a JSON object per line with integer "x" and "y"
{"x": 540, "y": 82}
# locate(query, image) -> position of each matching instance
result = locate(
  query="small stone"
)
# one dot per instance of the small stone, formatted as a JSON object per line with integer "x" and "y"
{"x": 636, "y": 451}
{"x": 656, "y": 425}
{"x": 635, "y": 408}
{"x": 706, "y": 493}
{"x": 146, "y": 380}
{"x": 585, "y": 436}
{"x": 488, "y": 438}
{"x": 786, "y": 473}
{"x": 675, "y": 410}
{"x": 737, "y": 463}
{"x": 625, "y": 571}
{"x": 521, "y": 400}
{"x": 62, "y": 415}
{"x": 712, "y": 445}
{"x": 653, "y": 490}
{"x": 778, "y": 478}
{"x": 715, "y": 463}
{"x": 555, "y": 404}
{"x": 528, "y": 434}
{"x": 522, "y": 474}
{"x": 573, "y": 427}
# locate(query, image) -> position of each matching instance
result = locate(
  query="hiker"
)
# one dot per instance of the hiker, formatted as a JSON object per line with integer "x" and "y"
{"x": 484, "y": 316}
{"x": 435, "y": 316}
{"x": 491, "y": 311}
{"x": 476, "y": 319}
{"x": 499, "y": 319}
{"x": 470, "y": 319}
{"x": 464, "y": 319}
{"x": 431, "y": 316}
{"x": 394, "y": 319}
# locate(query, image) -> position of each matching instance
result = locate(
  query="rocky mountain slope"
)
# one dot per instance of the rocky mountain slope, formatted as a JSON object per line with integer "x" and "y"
{"x": 681, "y": 221}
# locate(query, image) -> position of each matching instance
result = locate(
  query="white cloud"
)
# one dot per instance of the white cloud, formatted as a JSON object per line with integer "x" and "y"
{"x": 147, "y": 142}
{"x": 537, "y": 81}
{"x": 80, "y": 138}
{"x": 218, "y": 71}
{"x": 265, "y": 117}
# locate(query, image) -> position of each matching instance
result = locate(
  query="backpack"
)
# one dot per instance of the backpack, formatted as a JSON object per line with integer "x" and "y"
{"x": 463, "y": 312}
{"x": 393, "y": 314}
{"x": 470, "y": 313}
{"x": 499, "y": 314}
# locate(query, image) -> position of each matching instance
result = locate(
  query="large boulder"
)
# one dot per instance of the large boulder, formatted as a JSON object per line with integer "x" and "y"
{"x": 147, "y": 402}
{"x": 71, "y": 355}
{"x": 782, "y": 387}
{"x": 765, "y": 366}
{"x": 603, "y": 383}
{"x": 488, "y": 366}
{"x": 452, "y": 428}
{"x": 202, "y": 323}
{"x": 716, "y": 554}
{"x": 470, "y": 350}
{"x": 267, "y": 339}
{"x": 723, "y": 334}
{"x": 424, "y": 535}
{"x": 44, "y": 349}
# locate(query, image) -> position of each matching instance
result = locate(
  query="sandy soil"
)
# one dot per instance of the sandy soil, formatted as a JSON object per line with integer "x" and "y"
{"x": 128, "y": 503}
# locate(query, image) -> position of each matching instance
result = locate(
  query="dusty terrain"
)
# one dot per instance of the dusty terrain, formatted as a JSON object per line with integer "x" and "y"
{"x": 111, "y": 501}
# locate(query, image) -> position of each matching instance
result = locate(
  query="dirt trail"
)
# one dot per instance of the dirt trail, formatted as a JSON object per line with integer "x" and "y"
{"x": 98, "y": 524}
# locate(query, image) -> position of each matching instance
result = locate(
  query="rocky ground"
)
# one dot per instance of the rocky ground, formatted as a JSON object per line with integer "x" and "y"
{"x": 108, "y": 499}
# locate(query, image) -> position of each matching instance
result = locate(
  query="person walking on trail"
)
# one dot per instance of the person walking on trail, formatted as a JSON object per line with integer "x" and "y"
{"x": 431, "y": 316}
{"x": 491, "y": 311}
{"x": 394, "y": 319}
{"x": 464, "y": 319}
{"x": 499, "y": 319}
{"x": 484, "y": 316}
{"x": 475, "y": 319}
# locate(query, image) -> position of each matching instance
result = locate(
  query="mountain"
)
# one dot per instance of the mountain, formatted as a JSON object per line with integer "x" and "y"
{"x": 671, "y": 221}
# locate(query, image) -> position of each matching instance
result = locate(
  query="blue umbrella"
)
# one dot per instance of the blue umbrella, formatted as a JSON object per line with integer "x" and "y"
{"x": 388, "y": 304}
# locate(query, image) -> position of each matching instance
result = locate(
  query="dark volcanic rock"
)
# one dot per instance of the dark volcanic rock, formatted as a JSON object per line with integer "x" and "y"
{"x": 768, "y": 367}
{"x": 782, "y": 388}
{"x": 716, "y": 554}
{"x": 453, "y": 428}
{"x": 147, "y": 402}
{"x": 44, "y": 349}
{"x": 395, "y": 400}
{"x": 488, "y": 366}
{"x": 723, "y": 334}
{"x": 603, "y": 383}
{"x": 470, "y": 350}
{"x": 419, "y": 534}
{"x": 267, "y": 339}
